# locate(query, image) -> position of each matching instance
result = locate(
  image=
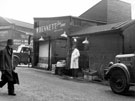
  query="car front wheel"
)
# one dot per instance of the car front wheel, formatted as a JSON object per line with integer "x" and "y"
{"x": 118, "y": 82}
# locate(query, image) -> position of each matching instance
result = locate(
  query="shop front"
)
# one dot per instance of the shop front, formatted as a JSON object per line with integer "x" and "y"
{"x": 51, "y": 40}
{"x": 49, "y": 46}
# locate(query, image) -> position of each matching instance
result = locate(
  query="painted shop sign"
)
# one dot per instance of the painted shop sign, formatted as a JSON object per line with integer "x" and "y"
{"x": 20, "y": 41}
{"x": 57, "y": 26}
{"x": 5, "y": 27}
{"x": 3, "y": 33}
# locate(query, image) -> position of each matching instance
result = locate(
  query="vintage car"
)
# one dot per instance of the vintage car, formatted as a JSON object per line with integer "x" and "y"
{"x": 121, "y": 74}
{"x": 23, "y": 55}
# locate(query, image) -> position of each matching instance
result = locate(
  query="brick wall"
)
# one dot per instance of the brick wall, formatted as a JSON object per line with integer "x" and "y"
{"x": 118, "y": 11}
{"x": 109, "y": 11}
{"x": 102, "y": 49}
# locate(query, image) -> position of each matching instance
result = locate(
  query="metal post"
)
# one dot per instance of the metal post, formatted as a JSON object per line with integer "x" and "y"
{"x": 68, "y": 52}
{"x": 49, "y": 54}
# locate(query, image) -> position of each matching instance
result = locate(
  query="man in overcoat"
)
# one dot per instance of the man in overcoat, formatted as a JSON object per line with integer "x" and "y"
{"x": 7, "y": 67}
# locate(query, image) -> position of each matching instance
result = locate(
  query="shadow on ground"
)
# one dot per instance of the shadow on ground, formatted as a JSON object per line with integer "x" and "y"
{"x": 82, "y": 80}
{"x": 130, "y": 93}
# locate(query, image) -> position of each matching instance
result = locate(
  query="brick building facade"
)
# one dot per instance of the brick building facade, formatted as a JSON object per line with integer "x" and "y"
{"x": 109, "y": 11}
{"x": 17, "y": 30}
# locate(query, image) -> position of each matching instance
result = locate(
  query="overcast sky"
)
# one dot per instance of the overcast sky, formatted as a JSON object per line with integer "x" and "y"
{"x": 26, "y": 10}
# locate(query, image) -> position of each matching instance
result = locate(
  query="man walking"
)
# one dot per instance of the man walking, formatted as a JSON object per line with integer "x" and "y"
{"x": 7, "y": 67}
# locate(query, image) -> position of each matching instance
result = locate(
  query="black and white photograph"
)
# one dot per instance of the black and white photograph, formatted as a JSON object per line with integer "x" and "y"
{"x": 67, "y": 50}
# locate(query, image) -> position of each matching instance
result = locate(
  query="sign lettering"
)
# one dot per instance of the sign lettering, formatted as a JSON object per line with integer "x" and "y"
{"x": 51, "y": 27}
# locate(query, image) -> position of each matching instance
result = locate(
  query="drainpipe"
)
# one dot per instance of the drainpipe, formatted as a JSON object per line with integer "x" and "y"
{"x": 123, "y": 45}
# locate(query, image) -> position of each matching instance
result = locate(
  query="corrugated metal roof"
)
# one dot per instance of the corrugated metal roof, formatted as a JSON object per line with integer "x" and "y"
{"x": 103, "y": 28}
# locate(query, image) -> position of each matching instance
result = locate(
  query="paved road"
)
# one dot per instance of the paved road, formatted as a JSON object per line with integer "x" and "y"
{"x": 40, "y": 85}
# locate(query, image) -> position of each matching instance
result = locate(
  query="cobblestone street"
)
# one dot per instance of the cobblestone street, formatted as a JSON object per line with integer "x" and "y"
{"x": 41, "y": 85}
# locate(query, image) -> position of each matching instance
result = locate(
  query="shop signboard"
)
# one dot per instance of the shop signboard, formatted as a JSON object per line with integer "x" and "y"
{"x": 51, "y": 27}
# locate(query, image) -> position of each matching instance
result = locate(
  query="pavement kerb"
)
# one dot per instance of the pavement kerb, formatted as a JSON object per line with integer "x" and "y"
{"x": 103, "y": 82}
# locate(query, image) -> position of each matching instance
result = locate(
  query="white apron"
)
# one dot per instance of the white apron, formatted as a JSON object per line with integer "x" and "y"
{"x": 74, "y": 59}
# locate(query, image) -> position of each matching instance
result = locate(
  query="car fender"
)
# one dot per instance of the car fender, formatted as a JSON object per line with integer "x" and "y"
{"x": 15, "y": 56}
{"x": 118, "y": 66}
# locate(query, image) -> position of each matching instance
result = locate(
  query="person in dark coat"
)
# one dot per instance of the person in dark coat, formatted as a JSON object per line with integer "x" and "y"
{"x": 7, "y": 67}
